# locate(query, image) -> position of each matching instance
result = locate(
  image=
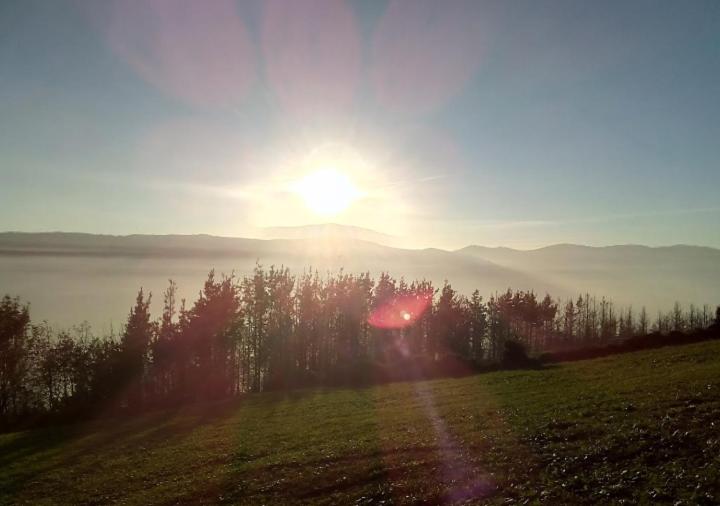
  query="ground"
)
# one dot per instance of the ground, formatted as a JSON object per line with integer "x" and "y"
{"x": 639, "y": 427}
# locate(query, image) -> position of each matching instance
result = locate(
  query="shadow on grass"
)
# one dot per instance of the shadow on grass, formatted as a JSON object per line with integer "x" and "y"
{"x": 371, "y": 476}
{"x": 36, "y": 454}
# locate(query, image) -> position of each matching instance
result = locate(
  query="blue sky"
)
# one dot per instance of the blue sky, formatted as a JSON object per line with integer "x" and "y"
{"x": 498, "y": 123}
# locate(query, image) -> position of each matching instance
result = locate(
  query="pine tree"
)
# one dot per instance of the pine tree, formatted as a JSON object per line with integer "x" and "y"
{"x": 135, "y": 343}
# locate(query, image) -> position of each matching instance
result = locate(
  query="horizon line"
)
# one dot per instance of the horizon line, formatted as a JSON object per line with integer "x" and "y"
{"x": 449, "y": 250}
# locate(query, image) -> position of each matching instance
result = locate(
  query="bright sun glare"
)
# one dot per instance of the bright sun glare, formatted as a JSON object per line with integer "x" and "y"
{"x": 327, "y": 192}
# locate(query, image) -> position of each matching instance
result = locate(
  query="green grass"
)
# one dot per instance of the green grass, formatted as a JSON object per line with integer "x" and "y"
{"x": 640, "y": 427}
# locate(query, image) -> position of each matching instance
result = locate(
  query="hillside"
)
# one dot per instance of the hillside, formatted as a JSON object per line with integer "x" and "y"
{"x": 634, "y": 428}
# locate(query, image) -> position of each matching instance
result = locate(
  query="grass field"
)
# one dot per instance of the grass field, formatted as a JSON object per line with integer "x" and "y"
{"x": 640, "y": 427}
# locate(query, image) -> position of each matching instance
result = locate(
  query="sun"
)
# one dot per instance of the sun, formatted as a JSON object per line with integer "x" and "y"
{"x": 327, "y": 191}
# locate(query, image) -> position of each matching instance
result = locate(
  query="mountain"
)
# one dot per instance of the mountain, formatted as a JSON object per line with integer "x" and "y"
{"x": 69, "y": 278}
{"x": 327, "y": 231}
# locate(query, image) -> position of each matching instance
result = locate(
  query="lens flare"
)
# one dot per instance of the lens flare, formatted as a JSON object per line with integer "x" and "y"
{"x": 399, "y": 312}
{"x": 198, "y": 52}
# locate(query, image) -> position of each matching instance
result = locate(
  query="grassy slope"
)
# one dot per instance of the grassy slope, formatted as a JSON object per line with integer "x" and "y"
{"x": 638, "y": 427}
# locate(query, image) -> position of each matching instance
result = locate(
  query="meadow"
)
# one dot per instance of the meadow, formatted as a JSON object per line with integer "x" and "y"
{"x": 635, "y": 428}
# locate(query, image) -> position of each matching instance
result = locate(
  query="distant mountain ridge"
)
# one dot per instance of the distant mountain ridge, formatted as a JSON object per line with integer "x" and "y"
{"x": 327, "y": 230}
{"x": 206, "y": 242}
{"x": 626, "y": 252}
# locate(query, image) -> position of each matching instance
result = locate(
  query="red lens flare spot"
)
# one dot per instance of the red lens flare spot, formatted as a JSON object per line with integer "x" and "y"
{"x": 399, "y": 312}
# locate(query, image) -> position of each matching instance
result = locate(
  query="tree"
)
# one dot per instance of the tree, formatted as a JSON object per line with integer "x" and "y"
{"x": 477, "y": 315}
{"x": 643, "y": 322}
{"x": 255, "y": 301}
{"x": 381, "y": 338}
{"x": 678, "y": 318}
{"x": 136, "y": 339}
{"x": 547, "y": 311}
{"x": 280, "y": 285}
{"x": 306, "y": 335}
{"x": 14, "y": 324}
{"x": 448, "y": 317}
{"x": 210, "y": 333}
{"x": 168, "y": 355}
{"x": 569, "y": 321}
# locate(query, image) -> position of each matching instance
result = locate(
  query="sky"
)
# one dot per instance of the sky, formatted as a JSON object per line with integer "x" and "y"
{"x": 444, "y": 124}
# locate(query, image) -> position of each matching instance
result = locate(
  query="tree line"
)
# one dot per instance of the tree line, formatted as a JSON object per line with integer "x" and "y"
{"x": 274, "y": 330}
